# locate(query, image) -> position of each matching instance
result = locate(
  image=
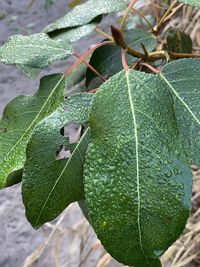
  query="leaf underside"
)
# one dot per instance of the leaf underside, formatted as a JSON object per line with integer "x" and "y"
{"x": 57, "y": 182}
{"x": 19, "y": 119}
{"x": 73, "y": 34}
{"x": 137, "y": 181}
{"x": 34, "y": 51}
{"x": 183, "y": 79}
{"x": 85, "y": 13}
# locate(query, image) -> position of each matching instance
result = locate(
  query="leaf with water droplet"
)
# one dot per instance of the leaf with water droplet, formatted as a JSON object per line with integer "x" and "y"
{"x": 57, "y": 182}
{"x": 35, "y": 51}
{"x": 183, "y": 79}
{"x": 85, "y": 13}
{"x": 134, "y": 144}
{"x": 21, "y": 116}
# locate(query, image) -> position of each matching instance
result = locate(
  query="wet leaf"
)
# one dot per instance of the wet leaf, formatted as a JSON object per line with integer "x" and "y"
{"x": 137, "y": 181}
{"x": 183, "y": 79}
{"x": 73, "y": 34}
{"x": 107, "y": 59}
{"x": 178, "y": 41}
{"x": 191, "y": 2}
{"x": 57, "y": 182}
{"x": 85, "y": 13}
{"x": 19, "y": 119}
{"x": 34, "y": 51}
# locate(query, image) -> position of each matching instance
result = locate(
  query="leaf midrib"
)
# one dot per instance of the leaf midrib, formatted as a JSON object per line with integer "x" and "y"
{"x": 135, "y": 132}
{"x": 35, "y": 119}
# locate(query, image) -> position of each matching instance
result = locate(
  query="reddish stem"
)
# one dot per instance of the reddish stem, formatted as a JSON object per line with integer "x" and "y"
{"x": 124, "y": 63}
{"x": 151, "y": 68}
{"x": 85, "y": 55}
{"x": 90, "y": 66}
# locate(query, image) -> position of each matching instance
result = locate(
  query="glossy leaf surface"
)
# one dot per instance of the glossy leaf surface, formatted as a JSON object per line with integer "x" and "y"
{"x": 183, "y": 79}
{"x": 137, "y": 181}
{"x": 19, "y": 119}
{"x": 57, "y": 182}
{"x": 85, "y": 13}
{"x": 34, "y": 51}
{"x": 107, "y": 59}
{"x": 191, "y": 2}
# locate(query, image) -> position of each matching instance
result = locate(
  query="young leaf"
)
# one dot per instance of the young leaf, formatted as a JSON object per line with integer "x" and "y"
{"x": 19, "y": 119}
{"x": 34, "y": 51}
{"x": 191, "y": 2}
{"x": 137, "y": 181}
{"x": 85, "y": 13}
{"x": 57, "y": 182}
{"x": 107, "y": 59}
{"x": 183, "y": 79}
{"x": 178, "y": 41}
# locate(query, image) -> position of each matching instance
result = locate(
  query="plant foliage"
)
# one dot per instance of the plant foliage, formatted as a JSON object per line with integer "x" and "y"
{"x": 139, "y": 131}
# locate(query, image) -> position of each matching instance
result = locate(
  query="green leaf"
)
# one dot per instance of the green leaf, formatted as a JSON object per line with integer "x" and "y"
{"x": 191, "y": 2}
{"x": 50, "y": 184}
{"x": 107, "y": 59}
{"x": 85, "y": 13}
{"x": 19, "y": 119}
{"x": 27, "y": 71}
{"x": 178, "y": 41}
{"x": 183, "y": 79}
{"x": 34, "y": 51}
{"x": 73, "y": 34}
{"x": 137, "y": 181}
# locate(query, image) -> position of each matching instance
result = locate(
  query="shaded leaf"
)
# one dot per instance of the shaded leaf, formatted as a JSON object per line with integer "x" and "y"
{"x": 137, "y": 181}
{"x": 178, "y": 41}
{"x": 19, "y": 119}
{"x": 14, "y": 178}
{"x": 34, "y": 51}
{"x": 73, "y": 34}
{"x": 57, "y": 182}
{"x": 183, "y": 79}
{"x": 85, "y": 13}
{"x": 107, "y": 59}
{"x": 191, "y": 2}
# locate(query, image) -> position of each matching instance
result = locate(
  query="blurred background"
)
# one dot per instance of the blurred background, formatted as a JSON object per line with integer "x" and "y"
{"x": 69, "y": 241}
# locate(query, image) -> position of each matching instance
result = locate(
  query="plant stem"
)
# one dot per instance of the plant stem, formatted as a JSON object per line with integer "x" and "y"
{"x": 90, "y": 67}
{"x": 152, "y": 56}
{"x": 132, "y": 3}
{"x": 164, "y": 16}
{"x": 143, "y": 17}
{"x": 183, "y": 55}
{"x": 85, "y": 55}
{"x": 124, "y": 63}
{"x": 106, "y": 35}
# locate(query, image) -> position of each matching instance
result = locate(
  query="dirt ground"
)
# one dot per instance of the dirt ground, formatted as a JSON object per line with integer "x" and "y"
{"x": 69, "y": 241}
